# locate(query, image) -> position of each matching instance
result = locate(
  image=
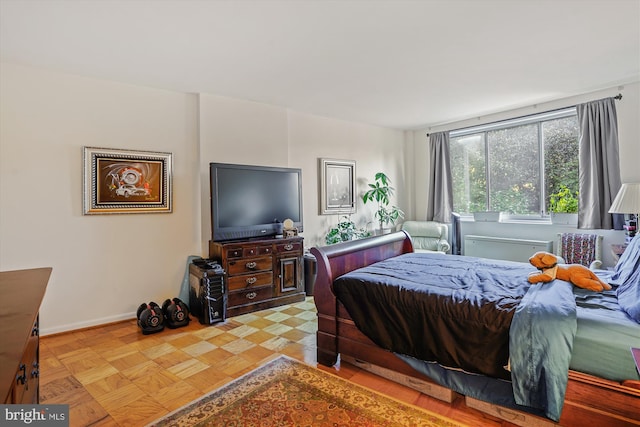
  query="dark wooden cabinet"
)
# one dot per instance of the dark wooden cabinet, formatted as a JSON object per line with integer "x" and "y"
{"x": 261, "y": 273}
{"x": 21, "y": 292}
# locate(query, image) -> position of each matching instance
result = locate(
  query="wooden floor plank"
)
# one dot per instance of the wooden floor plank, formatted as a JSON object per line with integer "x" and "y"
{"x": 113, "y": 375}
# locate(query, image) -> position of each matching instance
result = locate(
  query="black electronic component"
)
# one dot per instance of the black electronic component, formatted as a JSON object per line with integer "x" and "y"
{"x": 207, "y": 291}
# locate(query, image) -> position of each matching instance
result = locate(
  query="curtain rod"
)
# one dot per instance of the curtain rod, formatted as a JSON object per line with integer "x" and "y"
{"x": 617, "y": 97}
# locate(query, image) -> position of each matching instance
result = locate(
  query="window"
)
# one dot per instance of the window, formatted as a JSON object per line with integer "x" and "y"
{"x": 515, "y": 166}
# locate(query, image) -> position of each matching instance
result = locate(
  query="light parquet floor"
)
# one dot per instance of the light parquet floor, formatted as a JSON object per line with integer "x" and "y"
{"x": 114, "y": 375}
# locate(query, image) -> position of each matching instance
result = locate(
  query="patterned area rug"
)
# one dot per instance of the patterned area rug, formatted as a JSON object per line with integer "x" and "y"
{"x": 285, "y": 392}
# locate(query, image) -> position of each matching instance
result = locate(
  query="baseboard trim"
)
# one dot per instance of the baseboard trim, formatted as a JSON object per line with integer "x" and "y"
{"x": 85, "y": 325}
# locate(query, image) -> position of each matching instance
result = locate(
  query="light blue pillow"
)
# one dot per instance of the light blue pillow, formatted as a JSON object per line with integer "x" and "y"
{"x": 627, "y": 277}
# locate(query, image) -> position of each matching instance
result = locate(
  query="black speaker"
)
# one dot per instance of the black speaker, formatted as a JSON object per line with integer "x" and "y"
{"x": 176, "y": 313}
{"x": 207, "y": 293}
{"x": 150, "y": 318}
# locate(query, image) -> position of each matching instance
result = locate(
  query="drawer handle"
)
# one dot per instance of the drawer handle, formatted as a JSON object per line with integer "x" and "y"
{"x": 251, "y": 295}
{"x": 508, "y": 415}
{"x": 21, "y": 379}
{"x": 360, "y": 362}
{"x": 288, "y": 247}
{"x": 418, "y": 383}
{"x": 251, "y": 265}
{"x": 251, "y": 280}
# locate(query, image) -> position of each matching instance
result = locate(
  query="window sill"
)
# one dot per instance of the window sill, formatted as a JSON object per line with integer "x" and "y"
{"x": 542, "y": 221}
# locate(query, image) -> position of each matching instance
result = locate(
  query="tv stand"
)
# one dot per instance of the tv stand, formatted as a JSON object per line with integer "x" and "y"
{"x": 261, "y": 273}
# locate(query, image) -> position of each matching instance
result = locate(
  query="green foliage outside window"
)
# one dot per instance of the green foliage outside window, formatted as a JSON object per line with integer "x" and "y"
{"x": 514, "y": 170}
{"x": 500, "y": 169}
{"x": 561, "y": 156}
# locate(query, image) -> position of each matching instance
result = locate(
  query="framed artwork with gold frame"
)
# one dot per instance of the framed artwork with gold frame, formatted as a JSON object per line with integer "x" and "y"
{"x": 126, "y": 181}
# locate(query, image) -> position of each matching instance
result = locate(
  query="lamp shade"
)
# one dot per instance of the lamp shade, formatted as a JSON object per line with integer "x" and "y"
{"x": 627, "y": 200}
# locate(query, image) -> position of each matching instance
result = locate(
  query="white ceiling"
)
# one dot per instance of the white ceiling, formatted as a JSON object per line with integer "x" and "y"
{"x": 400, "y": 64}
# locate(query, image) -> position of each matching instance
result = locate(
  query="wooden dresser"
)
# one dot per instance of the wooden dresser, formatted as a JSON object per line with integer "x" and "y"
{"x": 261, "y": 273}
{"x": 21, "y": 293}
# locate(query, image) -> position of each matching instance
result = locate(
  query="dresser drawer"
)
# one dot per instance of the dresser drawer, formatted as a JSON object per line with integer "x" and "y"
{"x": 26, "y": 383}
{"x": 289, "y": 247}
{"x": 250, "y": 296}
{"x": 233, "y": 252}
{"x": 250, "y": 280}
{"x": 242, "y": 266}
{"x": 261, "y": 273}
{"x": 247, "y": 251}
{"x": 256, "y": 250}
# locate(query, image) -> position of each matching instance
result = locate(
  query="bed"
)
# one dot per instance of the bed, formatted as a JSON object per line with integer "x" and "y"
{"x": 367, "y": 324}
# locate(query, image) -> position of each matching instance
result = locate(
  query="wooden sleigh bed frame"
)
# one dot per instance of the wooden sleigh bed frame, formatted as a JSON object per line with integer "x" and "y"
{"x": 589, "y": 400}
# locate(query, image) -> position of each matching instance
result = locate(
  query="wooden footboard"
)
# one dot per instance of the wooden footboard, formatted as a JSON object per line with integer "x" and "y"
{"x": 336, "y": 260}
{"x": 589, "y": 401}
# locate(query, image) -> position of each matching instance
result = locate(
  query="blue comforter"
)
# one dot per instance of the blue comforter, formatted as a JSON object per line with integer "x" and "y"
{"x": 540, "y": 344}
{"x": 538, "y": 323}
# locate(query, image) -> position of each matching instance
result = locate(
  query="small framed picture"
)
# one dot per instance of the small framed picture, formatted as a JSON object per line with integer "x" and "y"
{"x": 126, "y": 181}
{"x": 337, "y": 186}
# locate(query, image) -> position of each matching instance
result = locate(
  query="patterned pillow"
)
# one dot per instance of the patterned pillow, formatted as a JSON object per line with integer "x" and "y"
{"x": 578, "y": 248}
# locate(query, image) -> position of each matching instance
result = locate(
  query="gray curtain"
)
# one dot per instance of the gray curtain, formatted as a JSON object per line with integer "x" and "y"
{"x": 440, "y": 183}
{"x": 599, "y": 163}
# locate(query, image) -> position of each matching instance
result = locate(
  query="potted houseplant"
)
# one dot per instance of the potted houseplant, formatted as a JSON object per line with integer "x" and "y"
{"x": 380, "y": 192}
{"x": 563, "y": 206}
{"x": 345, "y": 231}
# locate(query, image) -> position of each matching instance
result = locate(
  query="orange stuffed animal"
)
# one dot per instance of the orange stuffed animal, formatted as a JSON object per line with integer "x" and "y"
{"x": 577, "y": 274}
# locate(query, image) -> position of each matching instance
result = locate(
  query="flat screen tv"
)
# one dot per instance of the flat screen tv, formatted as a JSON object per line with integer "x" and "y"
{"x": 252, "y": 201}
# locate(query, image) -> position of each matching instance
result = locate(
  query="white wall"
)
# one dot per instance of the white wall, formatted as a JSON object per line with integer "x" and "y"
{"x": 628, "y": 110}
{"x": 237, "y": 131}
{"x": 105, "y": 266}
{"x": 374, "y": 149}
